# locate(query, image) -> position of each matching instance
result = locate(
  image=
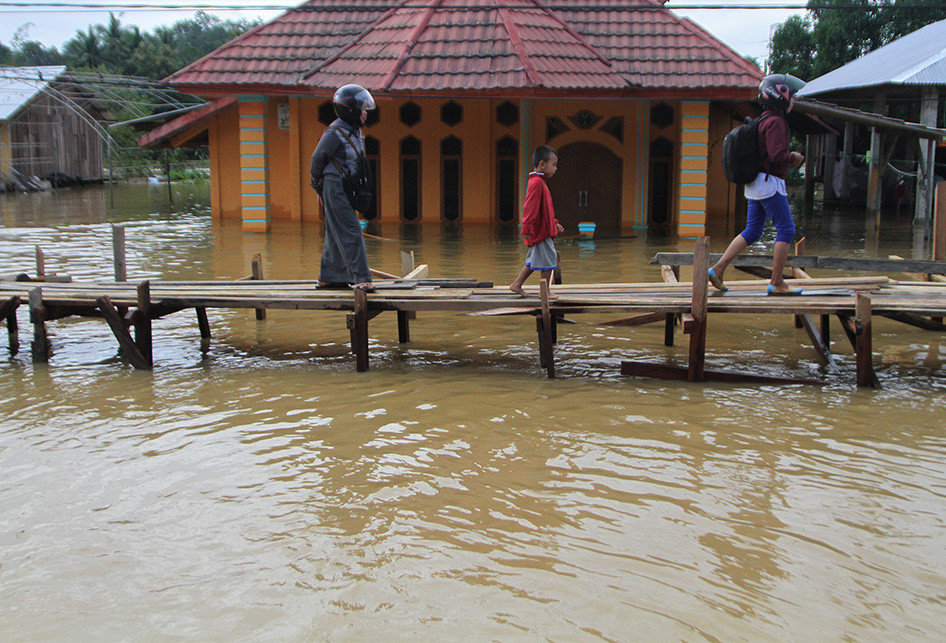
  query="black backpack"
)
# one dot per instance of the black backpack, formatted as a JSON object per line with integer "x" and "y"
{"x": 741, "y": 160}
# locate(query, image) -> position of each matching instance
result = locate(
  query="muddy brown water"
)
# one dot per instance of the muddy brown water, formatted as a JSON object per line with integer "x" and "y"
{"x": 266, "y": 491}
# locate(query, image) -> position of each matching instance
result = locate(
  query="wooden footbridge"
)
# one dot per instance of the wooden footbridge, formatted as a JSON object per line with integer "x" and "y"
{"x": 129, "y": 308}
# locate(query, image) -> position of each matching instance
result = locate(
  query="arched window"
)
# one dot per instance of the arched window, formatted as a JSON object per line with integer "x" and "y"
{"x": 451, "y": 166}
{"x": 507, "y": 183}
{"x": 410, "y": 179}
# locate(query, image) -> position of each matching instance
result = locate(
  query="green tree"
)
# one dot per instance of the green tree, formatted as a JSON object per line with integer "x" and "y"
{"x": 792, "y": 48}
{"x": 835, "y": 32}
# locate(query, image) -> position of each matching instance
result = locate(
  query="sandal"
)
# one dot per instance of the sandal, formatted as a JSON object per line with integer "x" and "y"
{"x": 364, "y": 287}
{"x": 716, "y": 281}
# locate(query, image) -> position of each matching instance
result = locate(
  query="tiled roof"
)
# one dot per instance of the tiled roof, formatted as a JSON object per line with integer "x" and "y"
{"x": 486, "y": 46}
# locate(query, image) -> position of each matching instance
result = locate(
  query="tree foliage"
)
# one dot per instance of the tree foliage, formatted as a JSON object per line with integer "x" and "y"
{"x": 115, "y": 48}
{"x": 835, "y": 32}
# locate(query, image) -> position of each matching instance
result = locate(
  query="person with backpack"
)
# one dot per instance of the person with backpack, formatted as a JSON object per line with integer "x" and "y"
{"x": 766, "y": 192}
{"x": 337, "y": 164}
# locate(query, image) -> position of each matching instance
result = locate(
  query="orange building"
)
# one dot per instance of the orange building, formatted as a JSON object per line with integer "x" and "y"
{"x": 634, "y": 98}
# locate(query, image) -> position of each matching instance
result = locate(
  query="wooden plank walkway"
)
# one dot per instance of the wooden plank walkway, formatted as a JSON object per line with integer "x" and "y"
{"x": 128, "y": 307}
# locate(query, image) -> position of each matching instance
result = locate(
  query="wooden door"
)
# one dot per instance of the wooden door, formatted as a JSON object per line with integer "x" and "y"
{"x": 587, "y": 187}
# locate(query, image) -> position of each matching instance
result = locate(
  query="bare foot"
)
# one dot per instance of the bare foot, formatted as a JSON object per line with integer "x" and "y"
{"x": 551, "y": 296}
{"x": 518, "y": 290}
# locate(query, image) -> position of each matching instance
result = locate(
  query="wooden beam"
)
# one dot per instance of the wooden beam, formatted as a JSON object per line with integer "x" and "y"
{"x": 127, "y": 345}
{"x": 637, "y": 320}
{"x": 809, "y": 262}
{"x": 40, "y": 345}
{"x": 420, "y": 272}
{"x": 701, "y": 265}
{"x": 818, "y": 341}
{"x": 680, "y": 373}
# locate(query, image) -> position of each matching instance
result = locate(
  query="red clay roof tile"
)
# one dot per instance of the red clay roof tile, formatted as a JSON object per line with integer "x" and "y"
{"x": 472, "y": 46}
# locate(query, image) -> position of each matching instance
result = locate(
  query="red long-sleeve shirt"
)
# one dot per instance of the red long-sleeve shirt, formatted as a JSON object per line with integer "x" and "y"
{"x": 538, "y": 215}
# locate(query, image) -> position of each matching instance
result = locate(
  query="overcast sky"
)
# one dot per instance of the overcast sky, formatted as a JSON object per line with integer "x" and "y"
{"x": 745, "y": 30}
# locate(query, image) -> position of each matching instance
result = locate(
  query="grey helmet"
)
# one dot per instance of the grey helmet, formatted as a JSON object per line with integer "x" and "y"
{"x": 776, "y": 90}
{"x": 349, "y": 100}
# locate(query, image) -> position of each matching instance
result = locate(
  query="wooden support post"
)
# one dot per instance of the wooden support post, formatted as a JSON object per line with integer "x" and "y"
{"x": 8, "y": 312}
{"x": 865, "y": 347}
{"x": 698, "y": 310}
{"x": 127, "y": 345}
{"x": 204, "y": 325}
{"x": 142, "y": 321}
{"x": 118, "y": 252}
{"x": 545, "y": 337}
{"x": 407, "y": 262}
{"x": 40, "y": 264}
{"x": 557, "y": 273}
{"x": 939, "y": 223}
{"x": 671, "y": 275}
{"x": 403, "y": 326}
{"x": 257, "y": 275}
{"x": 817, "y": 341}
{"x": 360, "y": 331}
{"x": 40, "y": 345}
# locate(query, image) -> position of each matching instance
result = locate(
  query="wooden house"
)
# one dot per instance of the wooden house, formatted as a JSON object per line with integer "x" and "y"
{"x": 49, "y": 129}
{"x": 635, "y": 99}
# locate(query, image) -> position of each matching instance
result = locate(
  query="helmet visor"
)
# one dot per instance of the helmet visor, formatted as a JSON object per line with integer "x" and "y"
{"x": 366, "y": 101}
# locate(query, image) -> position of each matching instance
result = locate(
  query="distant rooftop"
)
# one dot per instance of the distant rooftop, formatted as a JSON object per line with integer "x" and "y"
{"x": 20, "y": 84}
{"x": 919, "y": 58}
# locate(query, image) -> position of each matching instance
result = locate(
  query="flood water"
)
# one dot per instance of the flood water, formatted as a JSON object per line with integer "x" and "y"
{"x": 266, "y": 491}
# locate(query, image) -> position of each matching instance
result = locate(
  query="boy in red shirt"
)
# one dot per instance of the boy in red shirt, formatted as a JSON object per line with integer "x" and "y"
{"x": 539, "y": 225}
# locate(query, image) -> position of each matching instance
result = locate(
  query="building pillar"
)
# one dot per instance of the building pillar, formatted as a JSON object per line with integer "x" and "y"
{"x": 925, "y": 178}
{"x": 254, "y": 163}
{"x": 694, "y": 155}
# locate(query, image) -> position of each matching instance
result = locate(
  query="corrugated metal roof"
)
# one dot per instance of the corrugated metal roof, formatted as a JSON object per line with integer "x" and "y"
{"x": 473, "y": 45}
{"x": 919, "y": 58}
{"x": 18, "y": 85}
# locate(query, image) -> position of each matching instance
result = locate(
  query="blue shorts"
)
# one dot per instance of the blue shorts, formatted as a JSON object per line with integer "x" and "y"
{"x": 776, "y": 208}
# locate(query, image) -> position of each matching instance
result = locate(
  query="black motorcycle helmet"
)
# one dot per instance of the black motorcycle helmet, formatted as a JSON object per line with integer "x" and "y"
{"x": 776, "y": 90}
{"x": 349, "y": 100}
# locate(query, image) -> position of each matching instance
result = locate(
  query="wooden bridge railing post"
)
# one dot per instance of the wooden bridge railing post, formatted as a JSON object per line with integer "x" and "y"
{"x": 257, "y": 275}
{"x": 40, "y": 345}
{"x": 698, "y": 309}
{"x": 865, "y": 366}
